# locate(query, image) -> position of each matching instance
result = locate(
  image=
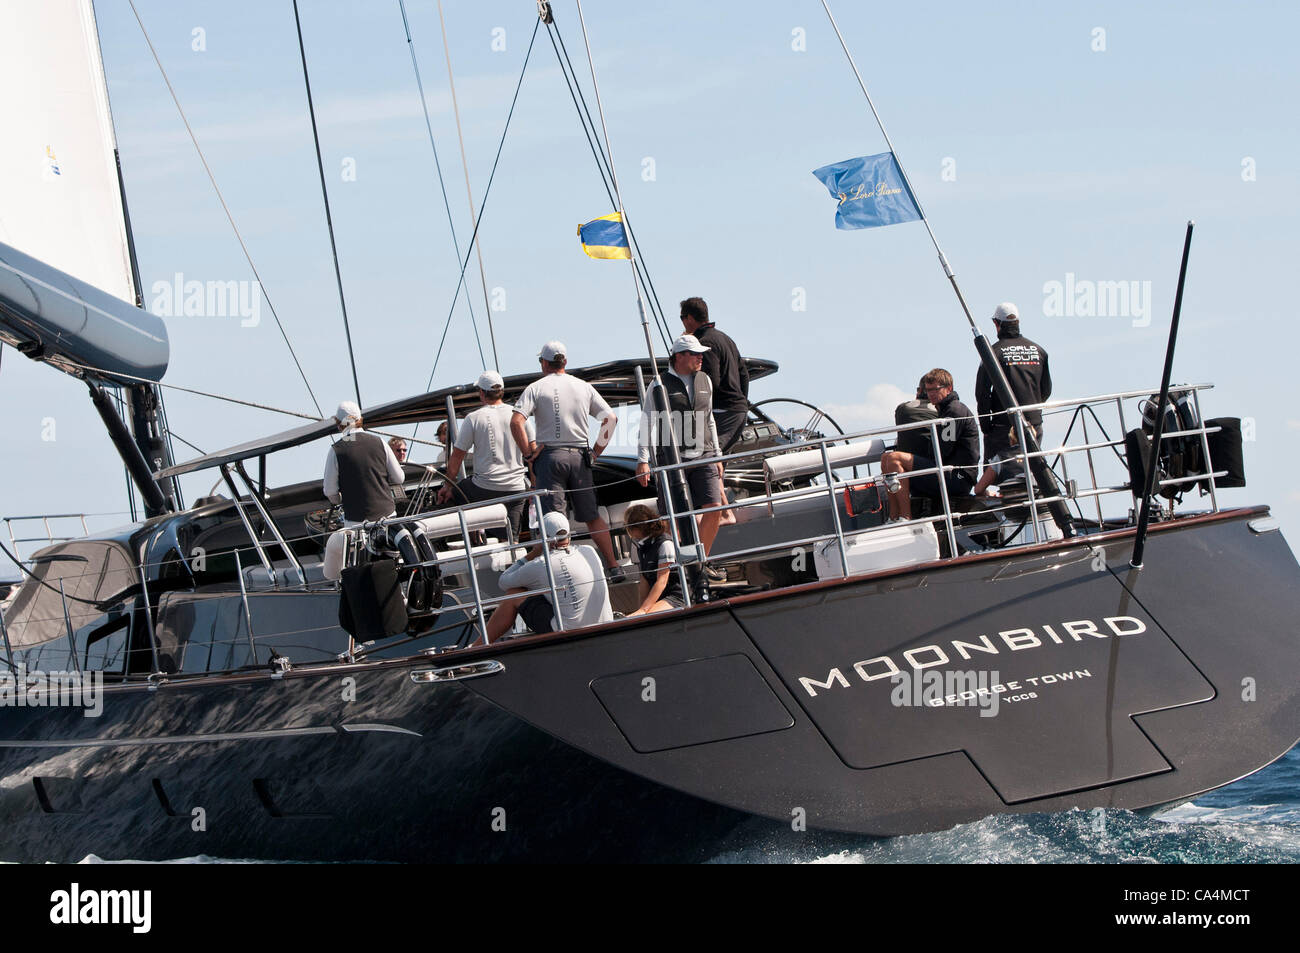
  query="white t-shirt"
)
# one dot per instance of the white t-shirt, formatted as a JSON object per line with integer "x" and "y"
{"x": 562, "y": 405}
{"x": 579, "y": 584}
{"x": 498, "y": 464}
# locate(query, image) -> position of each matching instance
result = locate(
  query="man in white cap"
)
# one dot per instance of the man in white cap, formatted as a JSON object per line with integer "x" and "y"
{"x": 1025, "y": 365}
{"x": 579, "y": 586}
{"x": 561, "y": 405}
{"x": 684, "y": 416}
{"x": 499, "y": 468}
{"x": 360, "y": 472}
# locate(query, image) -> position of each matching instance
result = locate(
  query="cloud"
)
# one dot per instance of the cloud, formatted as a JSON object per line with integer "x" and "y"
{"x": 1293, "y": 424}
{"x": 877, "y": 410}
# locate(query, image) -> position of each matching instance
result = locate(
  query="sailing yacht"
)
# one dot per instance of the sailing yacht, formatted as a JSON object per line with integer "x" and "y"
{"x": 193, "y": 683}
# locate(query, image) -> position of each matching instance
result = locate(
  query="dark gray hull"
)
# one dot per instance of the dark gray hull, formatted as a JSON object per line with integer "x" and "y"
{"x": 564, "y": 749}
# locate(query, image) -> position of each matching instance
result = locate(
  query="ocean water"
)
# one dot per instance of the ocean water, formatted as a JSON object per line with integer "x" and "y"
{"x": 1254, "y": 821}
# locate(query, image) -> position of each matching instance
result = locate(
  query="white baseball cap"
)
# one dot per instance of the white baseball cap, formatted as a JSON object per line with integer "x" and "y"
{"x": 688, "y": 342}
{"x": 348, "y": 410}
{"x": 553, "y": 349}
{"x": 490, "y": 379}
{"x": 555, "y": 525}
{"x": 1006, "y": 311}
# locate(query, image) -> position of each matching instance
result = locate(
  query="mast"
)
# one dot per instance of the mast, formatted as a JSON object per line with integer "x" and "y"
{"x": 1044, "y": 479}
{"x": 678, "y": 475}
{"x": 148, "y": 414}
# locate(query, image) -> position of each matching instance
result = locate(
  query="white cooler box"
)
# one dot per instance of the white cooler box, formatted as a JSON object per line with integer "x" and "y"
{"x": 886, "y": 548}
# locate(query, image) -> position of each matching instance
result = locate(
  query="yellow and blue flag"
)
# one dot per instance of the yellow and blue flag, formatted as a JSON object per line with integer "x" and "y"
{"x": 605, "y": 238}
{"x": 871, "y": 191}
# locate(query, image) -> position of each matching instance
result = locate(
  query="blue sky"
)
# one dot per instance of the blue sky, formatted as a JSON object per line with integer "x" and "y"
{"x": 1068, "y": 160}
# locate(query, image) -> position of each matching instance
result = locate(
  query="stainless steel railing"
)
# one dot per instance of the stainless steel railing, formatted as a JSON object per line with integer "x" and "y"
{"x": 1095, "y": 489}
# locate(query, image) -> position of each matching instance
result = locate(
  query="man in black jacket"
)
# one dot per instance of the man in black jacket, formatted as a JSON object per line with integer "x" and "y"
{"x": 959, "y": 445}
{"x": 1025, "y": 365}
{"x": 725, "y": 369}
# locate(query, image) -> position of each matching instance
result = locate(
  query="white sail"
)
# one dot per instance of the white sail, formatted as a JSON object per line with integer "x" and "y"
{"x": 58, "y": 174}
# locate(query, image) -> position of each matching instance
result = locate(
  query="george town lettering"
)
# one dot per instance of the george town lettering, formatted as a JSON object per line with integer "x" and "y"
{"x": 1008, "y": 640}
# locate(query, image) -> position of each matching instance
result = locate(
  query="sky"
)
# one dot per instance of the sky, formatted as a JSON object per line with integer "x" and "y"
{"x": 1047, "y": 143}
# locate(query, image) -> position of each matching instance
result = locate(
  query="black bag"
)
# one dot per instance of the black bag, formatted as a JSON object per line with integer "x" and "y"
{"x": 868, "y": 499}
{"x": 371, "y": 604}
{"x": 1137, "y": 452}
{"x": 1225, "y": 453}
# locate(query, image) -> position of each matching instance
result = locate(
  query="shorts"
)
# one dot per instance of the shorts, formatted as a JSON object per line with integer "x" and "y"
{"x": 703, "y": 484}
{"x": 565, "y": 471}
{"x": 928, "y": 483}
{"x": 538, "y": 614}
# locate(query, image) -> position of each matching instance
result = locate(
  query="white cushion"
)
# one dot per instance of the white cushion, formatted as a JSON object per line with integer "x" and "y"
{"x": 803, "y": 462}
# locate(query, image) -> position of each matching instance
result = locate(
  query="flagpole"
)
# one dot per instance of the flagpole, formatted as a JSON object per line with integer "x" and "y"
{"x": 1043, "y": 476}
{"x": 618, "y": 194}
{"x": 676, "y": 476}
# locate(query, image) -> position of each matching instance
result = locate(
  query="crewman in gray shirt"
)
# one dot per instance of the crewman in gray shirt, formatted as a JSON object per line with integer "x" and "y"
{"x": 499, "y": 468}
{"x": 561, "y": 405}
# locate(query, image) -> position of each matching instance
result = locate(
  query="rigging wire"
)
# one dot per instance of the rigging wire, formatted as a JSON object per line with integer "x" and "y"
{"x": 329, "y": 222}
{"x": 229, "y": 217}
{"x": 199, "y": 450}
{"x": 460, "y": 136}
{"x": 606, "y": 174}
{"x": 446, "y": 202}
{"x": 482, "y": 208}
{"x": 111, "y": 376}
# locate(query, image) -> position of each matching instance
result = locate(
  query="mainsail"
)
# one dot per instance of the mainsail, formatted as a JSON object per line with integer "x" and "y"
{"x": 60, "y": 196}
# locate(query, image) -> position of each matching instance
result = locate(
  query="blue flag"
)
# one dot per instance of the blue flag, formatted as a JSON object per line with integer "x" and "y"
{"x": 871, "y": 192}
{"x": 605, "y": 237}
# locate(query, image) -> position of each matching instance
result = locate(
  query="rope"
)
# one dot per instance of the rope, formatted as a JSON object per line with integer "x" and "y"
{"x": 229, "y": 217}
{"x": 113, "y": 375}
{"x": 325, "y": 195}
{"x": 602, "y": 164}
{"x": 460, "y": 136}
{"x": 446, "y": 202}
{"x": 482, "y": 208}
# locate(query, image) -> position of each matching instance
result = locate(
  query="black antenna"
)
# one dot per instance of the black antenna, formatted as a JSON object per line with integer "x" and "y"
{"x": 1148, "y": 491}
{"x": 329, "y": 222}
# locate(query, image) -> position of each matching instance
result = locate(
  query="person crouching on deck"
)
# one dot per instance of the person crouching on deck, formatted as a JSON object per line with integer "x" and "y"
{"x": 579, "y": 585}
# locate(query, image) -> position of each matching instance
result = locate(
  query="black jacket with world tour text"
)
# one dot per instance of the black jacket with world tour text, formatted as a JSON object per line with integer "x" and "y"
{"x": 1025, "y": 364}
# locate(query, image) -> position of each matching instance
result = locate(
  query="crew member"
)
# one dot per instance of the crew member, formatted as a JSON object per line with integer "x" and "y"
{"x": 660, "y": 587}
{"x": 499, "y": 468}
{"x": 1025, "y": 366}
{"x": 579, "y": 585}
{"x": 959, "y": 446}
{"x": 398, "y": 446}
{"x": 915, "y": 411}
{"x": 690, "y": 424}
{"x": 360, "y": 472}
{"x": 725, "y": 368}
{"x": 561, "y": 405}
